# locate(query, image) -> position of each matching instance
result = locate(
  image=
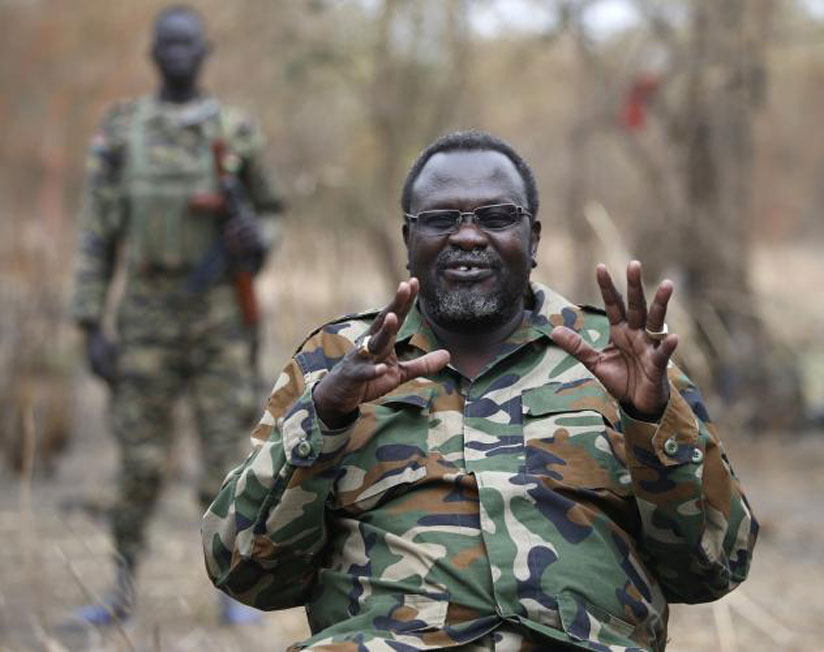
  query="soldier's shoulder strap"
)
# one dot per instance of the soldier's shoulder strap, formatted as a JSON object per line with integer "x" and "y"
{"x": 350, "y": 325}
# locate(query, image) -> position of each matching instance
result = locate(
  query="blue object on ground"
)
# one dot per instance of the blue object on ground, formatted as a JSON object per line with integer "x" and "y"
{"x": 233, "y": 612}
{"x": 102, "y": 614}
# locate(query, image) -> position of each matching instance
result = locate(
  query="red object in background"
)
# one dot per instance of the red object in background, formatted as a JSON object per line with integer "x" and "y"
{"x": 634, "y": 110}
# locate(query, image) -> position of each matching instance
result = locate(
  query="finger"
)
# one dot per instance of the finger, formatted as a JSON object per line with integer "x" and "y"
{"x": 636, "y": 301}
{"x": 658, "y": 308}
{"x": 663, "y": 352}
{"x": 403, "y": 311}
{"x": 376, "y": 325}
{"x": 398, "y": 303}
{"x": 383, "y": 341}
{"x": 574, "y": 344}
{"x": 364, "y": 371}
{"x": 426, "y": 365}
{"x": 403, "y": 302}
{"x": 613, "y": 303}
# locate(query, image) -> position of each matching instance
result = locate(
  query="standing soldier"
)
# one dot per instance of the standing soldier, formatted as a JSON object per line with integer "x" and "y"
{"x": 176, "y": 186}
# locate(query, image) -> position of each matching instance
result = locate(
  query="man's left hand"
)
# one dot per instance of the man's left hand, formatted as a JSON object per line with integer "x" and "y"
{"x": 633, "y": 366}
{"x": 243, "y": 236}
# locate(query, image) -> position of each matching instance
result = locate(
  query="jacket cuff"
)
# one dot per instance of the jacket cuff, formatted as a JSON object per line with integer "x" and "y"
{"x": 306, "y": 439}
{"x": 672, "y": 441}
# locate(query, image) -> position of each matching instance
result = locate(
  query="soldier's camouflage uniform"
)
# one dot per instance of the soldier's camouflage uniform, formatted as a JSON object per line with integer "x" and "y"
{"x": 521, "y": 510}
{"x": 144, "y": 164}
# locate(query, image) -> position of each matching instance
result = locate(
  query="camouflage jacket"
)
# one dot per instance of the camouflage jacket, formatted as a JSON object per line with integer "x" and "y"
{"x": 524, "y": 497}
{"x": 171, "y": 135}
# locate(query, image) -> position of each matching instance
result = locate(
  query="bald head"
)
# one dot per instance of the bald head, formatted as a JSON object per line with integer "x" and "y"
{"x": 179, "y": 47}
{"x": 174, "y": 13}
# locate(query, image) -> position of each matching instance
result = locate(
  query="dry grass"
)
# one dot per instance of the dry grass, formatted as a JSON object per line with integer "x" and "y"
{"x": 54, "y": 560}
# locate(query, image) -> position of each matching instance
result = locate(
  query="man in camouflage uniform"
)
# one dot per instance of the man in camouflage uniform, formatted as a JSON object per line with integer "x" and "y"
{"x": 488, "y": 467}
{"x": 148, "y": 161}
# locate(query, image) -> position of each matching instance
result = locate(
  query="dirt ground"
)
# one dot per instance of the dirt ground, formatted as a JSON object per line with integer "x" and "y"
{"x": 56, "y": 556}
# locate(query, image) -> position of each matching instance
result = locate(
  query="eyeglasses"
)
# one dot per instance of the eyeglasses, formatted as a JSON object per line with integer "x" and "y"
{"x": 495, "y": 217}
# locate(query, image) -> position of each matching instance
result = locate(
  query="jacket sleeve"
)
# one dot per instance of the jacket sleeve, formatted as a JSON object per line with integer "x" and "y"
{"x": 698, "y": 530}
{"x": 265, "y": 196}
{"x": 101, "y": 220}
{"x": 264, "y": 531}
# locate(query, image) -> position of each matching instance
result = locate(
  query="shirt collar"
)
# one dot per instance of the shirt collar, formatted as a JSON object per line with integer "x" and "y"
{"x": 186, "y": 114}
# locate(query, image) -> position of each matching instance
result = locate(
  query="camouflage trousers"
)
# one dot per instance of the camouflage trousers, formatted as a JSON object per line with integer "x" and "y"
{"x": 174, "y": 344}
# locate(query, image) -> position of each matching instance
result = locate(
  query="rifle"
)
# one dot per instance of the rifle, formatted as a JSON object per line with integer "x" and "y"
{"x": 230, "y": 201}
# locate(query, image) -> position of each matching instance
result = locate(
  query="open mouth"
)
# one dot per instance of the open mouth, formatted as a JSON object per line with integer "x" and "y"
{"x": 467, "y": 272}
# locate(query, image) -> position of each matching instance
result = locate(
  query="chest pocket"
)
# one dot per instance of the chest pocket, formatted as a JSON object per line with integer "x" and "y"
{"x": 387, "y": 450}
{"x": 568, "y": 436}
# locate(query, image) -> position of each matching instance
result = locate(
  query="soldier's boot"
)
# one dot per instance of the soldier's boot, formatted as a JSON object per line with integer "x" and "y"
{"x": 233, "y": 612}
{"x": 116, "y": 605}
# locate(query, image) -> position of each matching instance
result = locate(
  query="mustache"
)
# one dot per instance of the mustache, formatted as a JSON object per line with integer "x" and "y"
{"x": 452, "y": 257}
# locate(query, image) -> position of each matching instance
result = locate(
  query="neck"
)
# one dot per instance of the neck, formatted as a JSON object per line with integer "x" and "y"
{"x": 178, "y": 93}
{"x": 471, "y": 351}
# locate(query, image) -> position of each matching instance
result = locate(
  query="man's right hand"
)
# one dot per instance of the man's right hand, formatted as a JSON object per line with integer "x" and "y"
{"x": 101, "y": 354}
{"x": 361, "y": 377}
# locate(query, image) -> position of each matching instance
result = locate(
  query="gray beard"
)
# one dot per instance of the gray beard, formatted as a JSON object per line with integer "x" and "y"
{"x": 467, "y": 308}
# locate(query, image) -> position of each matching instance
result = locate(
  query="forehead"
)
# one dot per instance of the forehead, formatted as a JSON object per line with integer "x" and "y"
{"x": 466, "y": 179}
{"x": 178, "y": 24}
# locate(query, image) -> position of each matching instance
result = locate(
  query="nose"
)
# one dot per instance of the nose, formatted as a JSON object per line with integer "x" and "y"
{"x": 468, "y": 236}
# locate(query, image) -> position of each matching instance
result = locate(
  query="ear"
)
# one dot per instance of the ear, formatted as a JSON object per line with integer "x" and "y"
{"x": 534, "y": 238}
{"x": 405, "y": 231}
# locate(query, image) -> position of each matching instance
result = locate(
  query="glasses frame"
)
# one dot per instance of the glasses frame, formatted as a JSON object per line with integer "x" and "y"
{"x": 473, "y": 219}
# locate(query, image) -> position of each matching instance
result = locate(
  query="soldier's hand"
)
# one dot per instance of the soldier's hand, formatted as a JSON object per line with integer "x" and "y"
{"x": 243, "y": 236}
{"x": 372, "y": 369}
{"x": 102, "y": 355}
{"x": 633, "y": 366}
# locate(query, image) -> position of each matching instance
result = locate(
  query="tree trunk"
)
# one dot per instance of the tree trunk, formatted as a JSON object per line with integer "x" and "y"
{"x": 725, "y": 84}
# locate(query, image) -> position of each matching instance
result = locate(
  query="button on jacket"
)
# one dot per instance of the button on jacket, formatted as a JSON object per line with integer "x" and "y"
{"x": 521, "y": 503}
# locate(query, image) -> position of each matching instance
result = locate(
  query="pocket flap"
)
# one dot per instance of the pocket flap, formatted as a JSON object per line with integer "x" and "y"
{"x": 584, "y": 395}
{"x": 578, "y": 617}
{"x": 409, "y": 395}
{"x": 406, "y": 475}
{"x": 569, "y": 436}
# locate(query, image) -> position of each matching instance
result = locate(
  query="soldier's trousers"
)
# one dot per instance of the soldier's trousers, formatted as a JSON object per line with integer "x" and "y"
{"x": 173, "y": 343}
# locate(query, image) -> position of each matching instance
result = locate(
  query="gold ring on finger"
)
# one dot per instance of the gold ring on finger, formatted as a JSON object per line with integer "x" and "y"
{"x": 363, "y": 348}
{"x": 658, "y": 335}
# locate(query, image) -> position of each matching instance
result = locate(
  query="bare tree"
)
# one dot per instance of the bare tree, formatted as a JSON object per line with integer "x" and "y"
{"x": 724, "y": 89}
{"x": 696, "y": 162}
{"x": 419, "y": 70}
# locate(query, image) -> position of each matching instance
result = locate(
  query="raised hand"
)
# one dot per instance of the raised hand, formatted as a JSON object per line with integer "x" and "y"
{"x": 372, "y": 369}
{"x": 633, "y": 366}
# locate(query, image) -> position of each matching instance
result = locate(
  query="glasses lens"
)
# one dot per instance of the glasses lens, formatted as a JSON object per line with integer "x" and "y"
{"x": 438, "y": 221}
{"x": 496, "y": 218}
